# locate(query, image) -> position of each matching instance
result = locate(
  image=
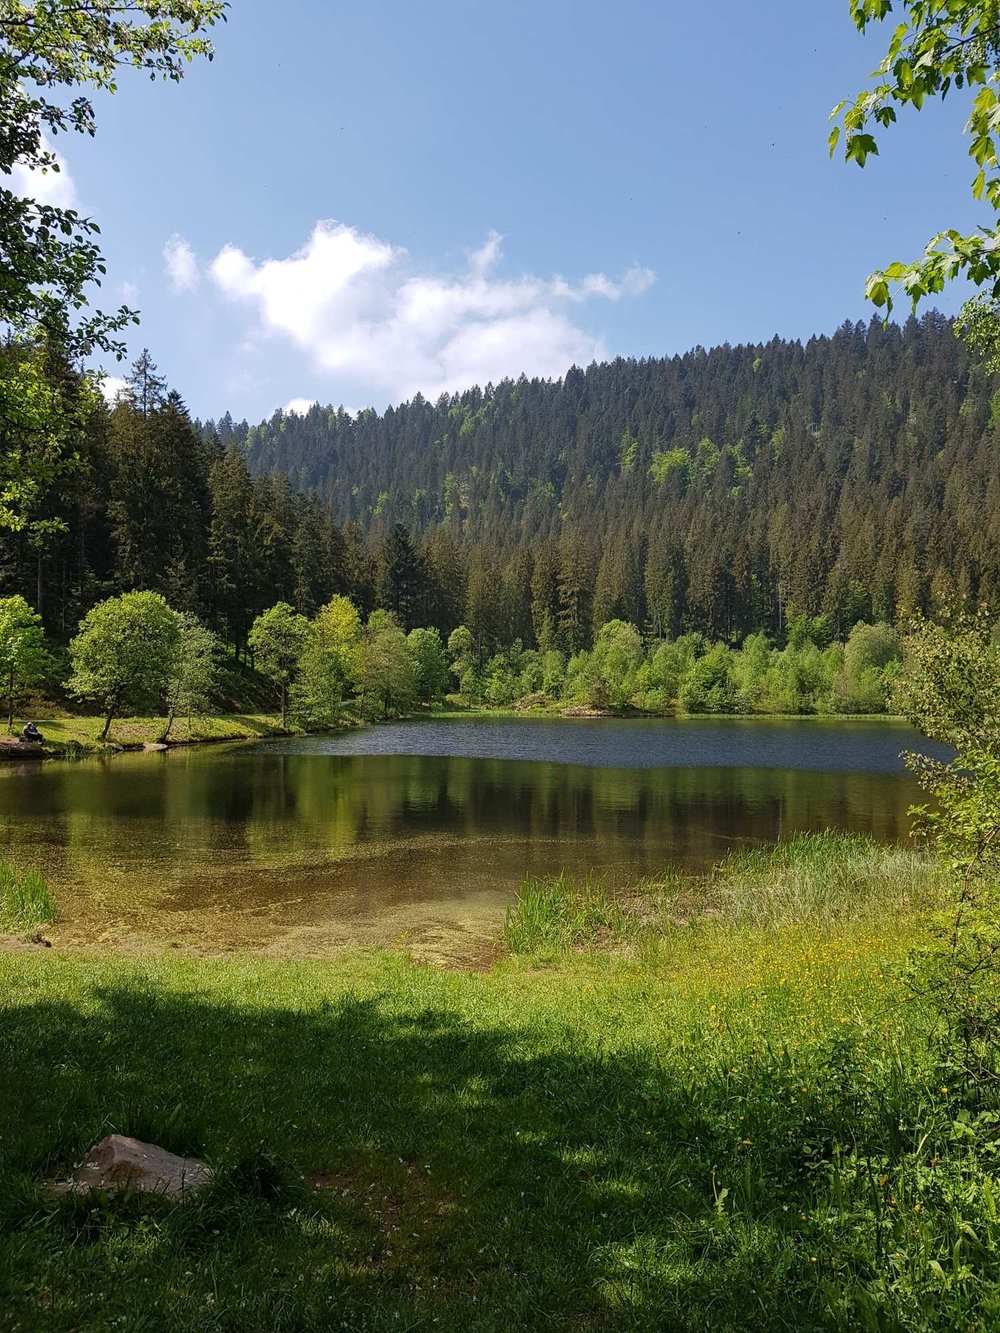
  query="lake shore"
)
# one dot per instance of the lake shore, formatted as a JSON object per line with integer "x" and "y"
{"x": 581, "y": 713}
{"x": 70, "y": 734}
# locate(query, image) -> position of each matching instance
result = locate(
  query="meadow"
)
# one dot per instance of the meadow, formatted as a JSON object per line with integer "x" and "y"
{"x": 649, "y": 1114}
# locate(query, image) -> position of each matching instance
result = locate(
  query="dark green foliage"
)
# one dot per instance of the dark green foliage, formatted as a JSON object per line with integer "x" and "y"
{"x": 852, "y": 477}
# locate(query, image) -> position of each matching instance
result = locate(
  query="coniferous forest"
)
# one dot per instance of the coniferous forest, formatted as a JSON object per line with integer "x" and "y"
{"x": 719, "y": 493}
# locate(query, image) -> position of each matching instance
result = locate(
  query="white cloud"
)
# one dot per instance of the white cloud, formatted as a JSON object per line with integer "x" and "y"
{"x": 181, "y": 264}
{"x": 111, "y": 387}
{"x": 354, "y": 304}
{"x": 298, "y": 406}
{"x": 54, "y": 187}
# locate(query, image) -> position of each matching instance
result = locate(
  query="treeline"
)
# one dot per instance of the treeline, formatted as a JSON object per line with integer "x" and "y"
{"x": 809, "y": 674}
{"x": 135, "y": 651}
{"x": 721, "y": 492}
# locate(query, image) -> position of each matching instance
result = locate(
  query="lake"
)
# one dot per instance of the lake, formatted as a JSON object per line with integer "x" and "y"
{"x": 418, "y": 833}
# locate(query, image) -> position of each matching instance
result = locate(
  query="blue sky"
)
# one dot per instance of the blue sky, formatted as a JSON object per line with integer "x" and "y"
{"x": 353, "y": 203}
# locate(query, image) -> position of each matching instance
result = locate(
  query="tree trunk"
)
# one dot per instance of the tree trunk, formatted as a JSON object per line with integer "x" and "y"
{"x": 283, "y": 706}
{"x": 10, "y": 702}
{"x": 170, "y": 722}
{"x": 107, "y": 721}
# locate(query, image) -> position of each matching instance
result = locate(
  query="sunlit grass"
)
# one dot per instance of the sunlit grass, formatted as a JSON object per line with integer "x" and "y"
{"x": 832, "y": 877}
{"x": 560, "y": 913}
{"x": 83, "y": 732}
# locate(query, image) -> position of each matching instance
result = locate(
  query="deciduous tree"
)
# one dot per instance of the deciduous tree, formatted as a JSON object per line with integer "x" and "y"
{"x": 936, "y": 46}
{"x": 277, "y": 639}
{"x": 24, "y": 658}
{"x": 53, "y": 56}
{"x": 385, "y": 677}
{"x": 328, "y": 660}
{"x": 430, "y": 664}
{"x": 193, "y": 672}
{"x": 124, "y": 653}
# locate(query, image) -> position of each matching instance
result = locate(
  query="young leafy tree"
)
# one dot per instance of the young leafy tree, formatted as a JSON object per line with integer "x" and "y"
{"x": 706, "y": 688}
{"x": 328, "y": 660}
{"x": 193, "y": 672}
{"x": 277, "y": 639}
{"x": 614, "y": 662}
{"x": 949, "y": 687}
{"x": 871, "y": 658}
{"x": 24, "y": 658}
{"x": 464, "y": 662}
{"x": 48, "y": 49}
{"x": 124, "y": 653}
{"x": 384, "y": 671}
{"x": 430, "y": 664}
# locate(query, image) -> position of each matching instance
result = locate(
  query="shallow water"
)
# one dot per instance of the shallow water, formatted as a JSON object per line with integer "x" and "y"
{"x": 419, "y": 833}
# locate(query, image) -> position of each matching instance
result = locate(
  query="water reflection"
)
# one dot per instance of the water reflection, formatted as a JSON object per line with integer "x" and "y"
{"x": 306, "y": 846}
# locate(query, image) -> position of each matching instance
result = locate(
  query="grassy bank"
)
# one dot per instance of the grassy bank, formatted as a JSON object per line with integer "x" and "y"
{"x": 648, "y": 1120}
{"x": 73, "y": 733}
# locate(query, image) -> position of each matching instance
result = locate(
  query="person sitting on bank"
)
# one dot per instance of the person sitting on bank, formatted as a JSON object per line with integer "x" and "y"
{"x": 31, "y": 735}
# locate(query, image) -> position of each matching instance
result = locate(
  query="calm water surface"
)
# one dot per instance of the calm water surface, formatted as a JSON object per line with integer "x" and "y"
{"x": 420, "y": 832}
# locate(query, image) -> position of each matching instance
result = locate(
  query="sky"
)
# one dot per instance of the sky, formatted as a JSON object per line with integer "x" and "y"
{"x": 352, "y": 204}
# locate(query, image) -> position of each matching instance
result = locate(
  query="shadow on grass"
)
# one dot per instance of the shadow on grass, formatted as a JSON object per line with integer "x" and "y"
{"x": 455, "y": 1176}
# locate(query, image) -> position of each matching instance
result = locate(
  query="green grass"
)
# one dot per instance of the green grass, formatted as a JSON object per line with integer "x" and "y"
{"x": 82, "y": 733}
{"x": 826, "y": 879}
{"x": 26, "y": 903}
{"x": 831, "y": 877}
{"x": 555, "y": 915}
{"x": 724, "y": 1129}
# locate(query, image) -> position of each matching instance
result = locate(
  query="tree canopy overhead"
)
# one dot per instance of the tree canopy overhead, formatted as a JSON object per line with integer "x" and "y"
{"x": 51, "y": 53}
{"x": 935, "y": 47}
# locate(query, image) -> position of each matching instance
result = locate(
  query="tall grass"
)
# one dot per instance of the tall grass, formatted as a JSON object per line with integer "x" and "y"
{"x": 557, "y": 915}
{"x": 26, "y": 902}
{"x": 811, "y": 879}
{"x": 829, "y": 877}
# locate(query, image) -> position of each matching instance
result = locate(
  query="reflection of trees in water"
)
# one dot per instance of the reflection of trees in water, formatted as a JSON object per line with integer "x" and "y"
{"x": 174, "y": 817}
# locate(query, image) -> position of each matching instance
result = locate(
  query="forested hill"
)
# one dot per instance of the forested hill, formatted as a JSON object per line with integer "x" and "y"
{"x": 854, "y": 475}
